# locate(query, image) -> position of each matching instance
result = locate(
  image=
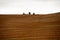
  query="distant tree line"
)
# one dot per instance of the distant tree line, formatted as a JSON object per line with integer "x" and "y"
{"x": 29, "y": 13}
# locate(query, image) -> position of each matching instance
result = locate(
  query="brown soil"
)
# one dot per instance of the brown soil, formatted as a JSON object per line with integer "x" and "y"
{"x": 30, "y": 27}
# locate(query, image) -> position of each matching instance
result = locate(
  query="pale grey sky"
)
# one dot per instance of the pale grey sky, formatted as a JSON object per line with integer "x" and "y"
{"x": 37, "y": 6}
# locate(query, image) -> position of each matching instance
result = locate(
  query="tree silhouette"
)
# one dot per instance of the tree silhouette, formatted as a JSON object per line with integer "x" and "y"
{"x": 33, "y": 13}
{"x": 29, "y": 13}
{"x": 23, "y": 13}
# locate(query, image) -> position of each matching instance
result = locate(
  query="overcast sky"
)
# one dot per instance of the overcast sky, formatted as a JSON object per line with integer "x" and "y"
{"x": 37, "y": 6}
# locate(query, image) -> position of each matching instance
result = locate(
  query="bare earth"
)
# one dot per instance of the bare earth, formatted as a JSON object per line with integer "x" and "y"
{"x": 30, "y": 27}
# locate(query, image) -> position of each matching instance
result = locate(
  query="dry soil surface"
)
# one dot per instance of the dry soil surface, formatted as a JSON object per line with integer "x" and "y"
{"x": 30, "y": 27}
